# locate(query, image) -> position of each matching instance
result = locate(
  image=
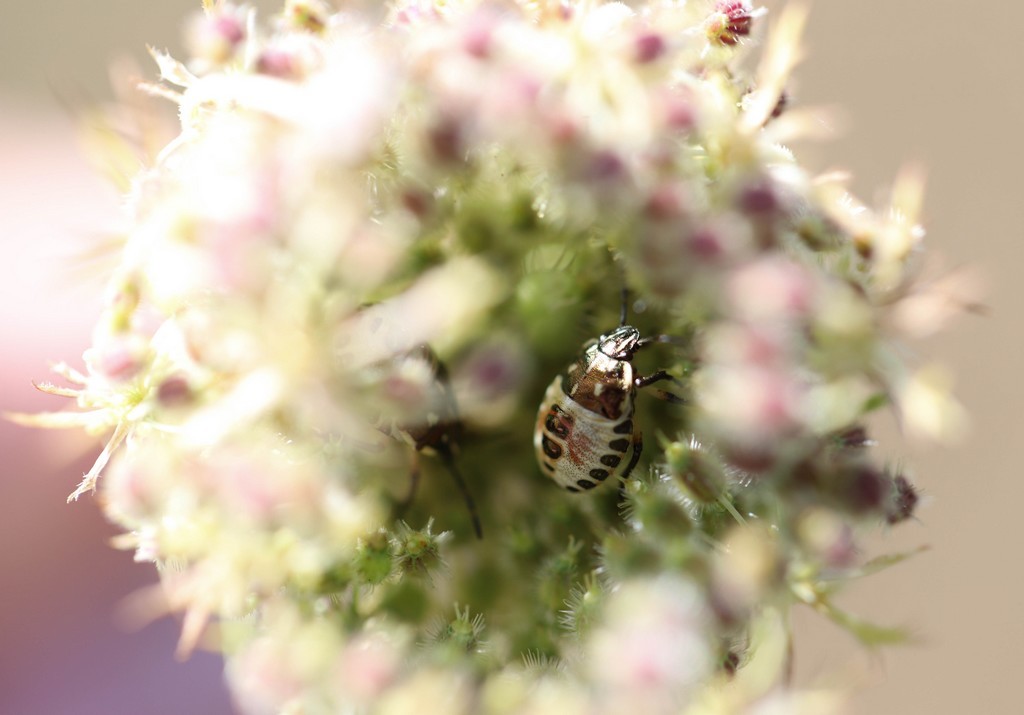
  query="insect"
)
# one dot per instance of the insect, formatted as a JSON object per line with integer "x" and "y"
{"x": 585, "y": 425}
{"x": 435, "y": 432}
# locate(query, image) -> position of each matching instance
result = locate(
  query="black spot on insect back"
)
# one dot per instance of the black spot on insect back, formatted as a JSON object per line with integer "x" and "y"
{"x": 624, "y": 427}
{"x": 556, "y": 426}
{"x": 619, "y": 445}
{"x": 551, "y": 448}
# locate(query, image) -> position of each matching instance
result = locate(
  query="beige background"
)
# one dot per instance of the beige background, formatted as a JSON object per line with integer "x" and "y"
{"x": 931, "y": 80}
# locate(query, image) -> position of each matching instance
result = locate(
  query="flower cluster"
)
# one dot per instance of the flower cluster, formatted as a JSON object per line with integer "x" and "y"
{"x": 380, "y": 233}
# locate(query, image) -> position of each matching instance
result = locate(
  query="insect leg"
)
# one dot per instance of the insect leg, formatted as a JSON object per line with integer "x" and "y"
{"x": 444, "y": 452}
{"x": 451, "y": 410}
{"x": 667, "y": 396}
{"x": 660, "y": 376}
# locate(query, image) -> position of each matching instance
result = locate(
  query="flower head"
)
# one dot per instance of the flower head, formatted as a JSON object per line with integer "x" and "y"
{"x": 379, "y": 240}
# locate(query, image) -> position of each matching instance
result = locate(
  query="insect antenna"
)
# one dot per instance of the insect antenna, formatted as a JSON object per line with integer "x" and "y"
{"x": 444, "y": 452}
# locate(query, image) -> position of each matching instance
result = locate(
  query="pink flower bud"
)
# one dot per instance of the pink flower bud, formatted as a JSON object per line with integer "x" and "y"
{"x": 213, "y": 39}
{"x": 562, "y": 128}
{"x": 753, "y": 407}
{"x": 116, "y": 359}
{"x": 277, "y": 62}
{"x": 666, "y": 202}
{"x": 676, "y": 110}
{"x": 706, "y": 244}
{"x": 478, "y": 35}
{"x": 648, "y": 47}
{"x": 605, "y": 166}
{"x": 174, "y": 391}
{"x": 730, "y": 21}
{"x": 366, "y": 667}
{"x": 758, "y": 200}
{"x": 772, "y": 288}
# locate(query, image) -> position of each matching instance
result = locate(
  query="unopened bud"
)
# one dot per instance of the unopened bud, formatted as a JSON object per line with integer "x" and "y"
{"x": 277, "y": 62}
{"x": 701, "y": 476}
{"x": 308, "y": 15}
{"x": 418, "y": 551}
{"x": 863, "y": 489}
{"x": 903, "y": 501}
{"x": 648, "y": 47}
{"x": 826, "y": 535}
{"x": 214, "y": 38}
{"x": 373, "y": 559}
{"x": 730, "y": 21}
{"x": 117, "y": 358}
{"x": 174, "y": 391}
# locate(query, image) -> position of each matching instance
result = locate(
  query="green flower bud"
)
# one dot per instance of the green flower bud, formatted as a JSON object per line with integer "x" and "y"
{"x": 374, "y": 561}
{"x": 698, "y": 473}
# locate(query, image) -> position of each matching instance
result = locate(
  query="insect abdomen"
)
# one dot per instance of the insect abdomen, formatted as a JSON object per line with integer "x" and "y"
{"x": 577, "y": 448}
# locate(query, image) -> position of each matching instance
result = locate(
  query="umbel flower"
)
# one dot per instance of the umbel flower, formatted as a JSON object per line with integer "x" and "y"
{"x": 380, "y": 233}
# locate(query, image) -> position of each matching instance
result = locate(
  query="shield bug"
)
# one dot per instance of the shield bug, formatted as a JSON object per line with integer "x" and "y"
{"x": 585, "y": 426}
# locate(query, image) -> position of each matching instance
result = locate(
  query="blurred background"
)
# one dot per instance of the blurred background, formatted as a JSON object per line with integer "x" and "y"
{"x": 930, "y": 81}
